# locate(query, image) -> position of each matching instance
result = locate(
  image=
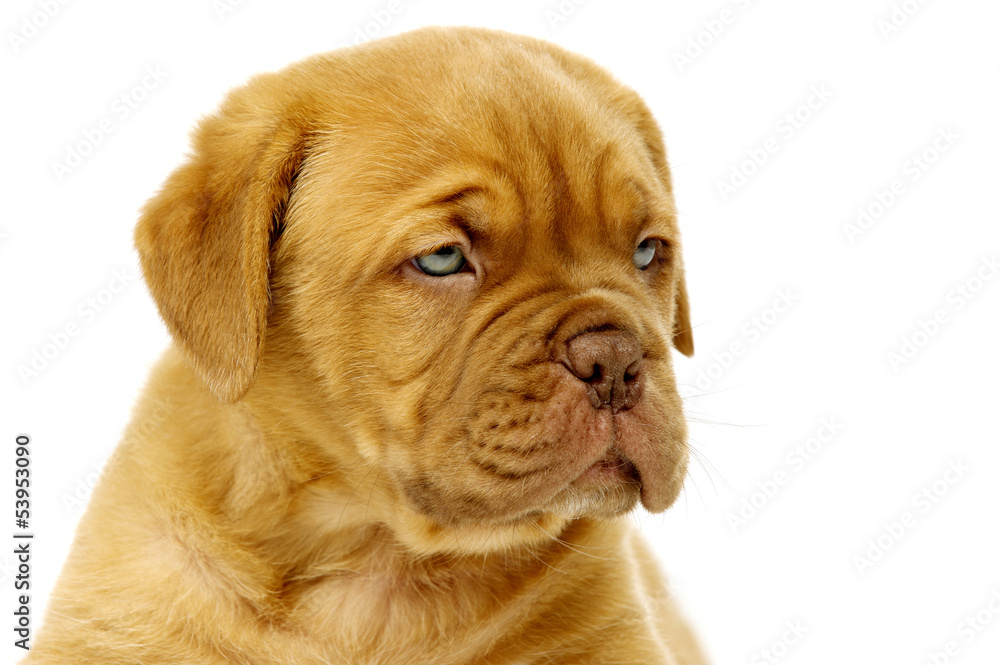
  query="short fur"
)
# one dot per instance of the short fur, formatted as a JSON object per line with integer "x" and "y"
{"x": 345, "y": 460}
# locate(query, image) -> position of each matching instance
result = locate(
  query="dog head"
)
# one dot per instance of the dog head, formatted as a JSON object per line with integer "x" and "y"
{"x": 462, "y": 245}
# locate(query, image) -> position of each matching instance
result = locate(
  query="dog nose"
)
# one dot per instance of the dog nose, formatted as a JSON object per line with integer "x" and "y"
{"x": 609, "y": 362}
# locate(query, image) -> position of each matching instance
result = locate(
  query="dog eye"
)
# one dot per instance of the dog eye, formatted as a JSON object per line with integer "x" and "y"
{"x": 446, "y": 261}
{"x": 645, "y": 253}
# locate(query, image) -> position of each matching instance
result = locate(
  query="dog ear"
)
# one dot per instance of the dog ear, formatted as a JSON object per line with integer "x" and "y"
{"x": 204, "y": 240}
{"x": 683, "y": 337}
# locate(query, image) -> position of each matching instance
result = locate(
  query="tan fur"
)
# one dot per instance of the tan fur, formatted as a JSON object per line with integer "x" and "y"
{"x": 343, "y": 460}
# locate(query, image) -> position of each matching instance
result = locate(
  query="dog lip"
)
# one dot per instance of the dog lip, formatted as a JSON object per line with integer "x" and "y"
{"x": 613, "y": 465}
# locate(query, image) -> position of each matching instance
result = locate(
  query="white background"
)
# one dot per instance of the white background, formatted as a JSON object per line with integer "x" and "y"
{"x": 880, "y": 96}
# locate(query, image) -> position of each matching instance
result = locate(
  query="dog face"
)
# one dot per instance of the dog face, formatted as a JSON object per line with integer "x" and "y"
{"x": 464, "y": 244}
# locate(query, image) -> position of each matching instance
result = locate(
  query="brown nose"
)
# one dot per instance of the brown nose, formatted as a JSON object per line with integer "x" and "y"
{"x": 609, "y": 362}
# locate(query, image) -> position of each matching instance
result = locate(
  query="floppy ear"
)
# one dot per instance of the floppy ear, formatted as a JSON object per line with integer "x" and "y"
{"x": 683, "y": 337}
{"x": 204, "y": 239}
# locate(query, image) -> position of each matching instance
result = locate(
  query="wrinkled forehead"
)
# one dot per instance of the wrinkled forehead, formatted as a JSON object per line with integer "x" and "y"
{"x": 517, "y": 153}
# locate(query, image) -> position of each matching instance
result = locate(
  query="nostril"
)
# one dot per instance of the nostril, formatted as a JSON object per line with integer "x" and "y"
{"x": 632, "y": 371}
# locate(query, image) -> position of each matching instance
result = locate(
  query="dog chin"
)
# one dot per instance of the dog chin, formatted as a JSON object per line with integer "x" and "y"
{"x": 423, "y": 535}
{"x": 606, "y": 490}
{"x": 606, "y": 500}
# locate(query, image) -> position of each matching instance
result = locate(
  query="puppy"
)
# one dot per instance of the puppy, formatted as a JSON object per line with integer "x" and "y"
{"x": 423, "y": 295}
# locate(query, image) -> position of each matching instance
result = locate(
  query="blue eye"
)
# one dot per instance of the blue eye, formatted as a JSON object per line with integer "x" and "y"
{"x": 446, "y": 261}
{"x": 645, "y": 253}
